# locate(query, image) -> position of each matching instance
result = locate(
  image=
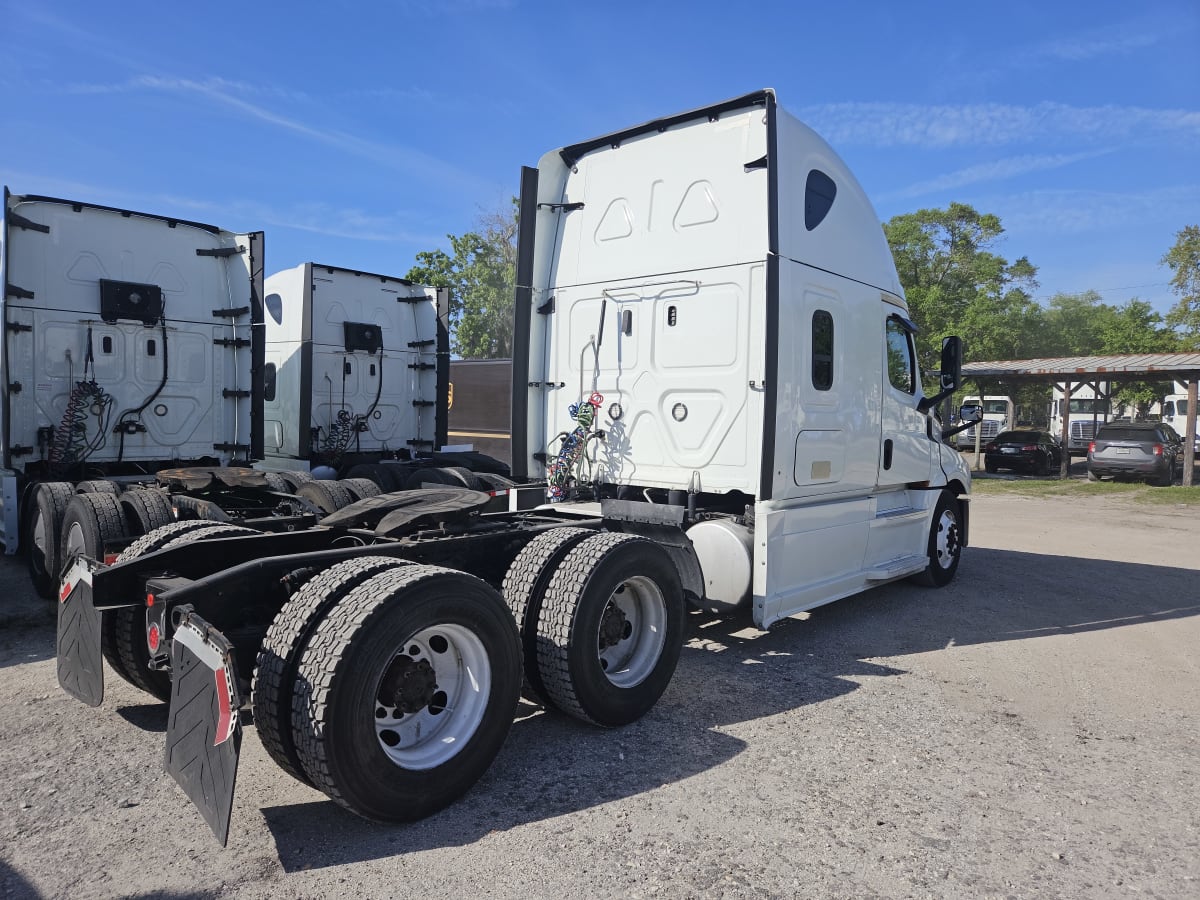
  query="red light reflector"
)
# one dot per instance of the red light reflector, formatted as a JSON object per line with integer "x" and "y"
{"x": 153, "y": 638}
{"x": 110, "y": 558}
{"x": 149, "y": 600}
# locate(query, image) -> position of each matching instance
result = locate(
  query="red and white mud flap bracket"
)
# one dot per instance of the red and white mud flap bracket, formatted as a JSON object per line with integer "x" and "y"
{"x": 80, "y": 665}
{"x": 204, "y": 735}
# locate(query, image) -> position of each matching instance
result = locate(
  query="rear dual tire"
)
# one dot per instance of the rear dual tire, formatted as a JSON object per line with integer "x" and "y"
{"x": 123, "y": 631}
{"x": 609, "y": 630}
{"x": 43, "y": 529}
{"x": 405, "y": 692}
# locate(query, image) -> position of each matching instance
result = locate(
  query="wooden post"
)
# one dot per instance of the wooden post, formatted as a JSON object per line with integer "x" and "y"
{"x": 1189, "y": 436}
{"x": 1064, "y": 468}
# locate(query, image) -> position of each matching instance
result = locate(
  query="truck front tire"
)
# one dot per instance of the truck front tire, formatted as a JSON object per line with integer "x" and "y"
{"x": 945, "y": 542}
{"x": 610, "y": 629}
{"x": 406, "y": 691}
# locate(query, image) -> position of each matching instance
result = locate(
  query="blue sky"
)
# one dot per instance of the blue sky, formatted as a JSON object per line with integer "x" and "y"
{"x": 358, "y": 134}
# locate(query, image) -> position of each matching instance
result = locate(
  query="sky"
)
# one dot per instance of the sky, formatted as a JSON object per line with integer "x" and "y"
{"x": 358, "y": 134}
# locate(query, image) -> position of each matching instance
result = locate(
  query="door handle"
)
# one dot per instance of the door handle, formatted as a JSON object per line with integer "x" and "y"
{"x": 887, "y": 454}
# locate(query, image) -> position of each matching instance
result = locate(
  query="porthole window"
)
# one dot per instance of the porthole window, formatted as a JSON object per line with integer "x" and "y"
{"x": 822, "y": 350}
{"x": 819, "y": 192}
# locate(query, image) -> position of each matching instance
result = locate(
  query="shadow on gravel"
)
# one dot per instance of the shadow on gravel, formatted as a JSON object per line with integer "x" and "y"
{"x": 730, "y": 672}
{"x": 151, "y": 717}
{"x": 13, "y": 884}
{"x": 22, "y": 645}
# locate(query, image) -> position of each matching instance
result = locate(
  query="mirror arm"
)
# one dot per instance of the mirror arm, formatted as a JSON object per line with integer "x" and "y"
{"x": 928, "y": 403}
{"x": 950, "y": 432}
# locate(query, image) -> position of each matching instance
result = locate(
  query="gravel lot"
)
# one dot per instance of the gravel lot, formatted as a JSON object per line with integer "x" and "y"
{"x": 1030, "y": 730}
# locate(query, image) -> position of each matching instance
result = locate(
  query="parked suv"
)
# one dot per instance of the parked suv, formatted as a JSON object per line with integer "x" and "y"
{"x": 1149, "y": 450}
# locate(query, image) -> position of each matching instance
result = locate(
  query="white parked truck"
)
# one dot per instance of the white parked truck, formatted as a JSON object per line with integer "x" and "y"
{"x": 1090, "y": 407}
{"x": 356, "y": 381}
{"x": 998, "y": 416}
{"x": 716, "y": 391}
{"x": 127, "y": 349}
{"x": 1175, "y": 412}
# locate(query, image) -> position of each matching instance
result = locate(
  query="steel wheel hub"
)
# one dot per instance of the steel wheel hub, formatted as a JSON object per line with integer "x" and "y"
{"x": 947, "y": 539}
{"x": 633, "y": 632}
{"x": 432, "y": 696}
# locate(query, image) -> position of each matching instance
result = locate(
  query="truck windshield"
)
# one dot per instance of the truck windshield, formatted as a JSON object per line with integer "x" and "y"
{"x": 1089, "y": 406}
{"x": 995, "y": 406}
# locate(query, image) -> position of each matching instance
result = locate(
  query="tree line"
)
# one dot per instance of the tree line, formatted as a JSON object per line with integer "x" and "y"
{"x": 954, "y": 278}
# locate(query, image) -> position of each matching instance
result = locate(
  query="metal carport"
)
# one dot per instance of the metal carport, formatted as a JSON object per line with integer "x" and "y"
{"x": 1069, "y": 373}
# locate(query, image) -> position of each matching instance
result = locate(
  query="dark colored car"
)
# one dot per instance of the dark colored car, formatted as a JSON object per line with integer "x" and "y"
{"x": 1150, "y": 450}
{"x": 1029, "y": 451}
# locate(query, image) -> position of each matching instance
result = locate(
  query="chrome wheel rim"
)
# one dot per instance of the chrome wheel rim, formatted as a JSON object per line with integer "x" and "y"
{"x": 947, "y": 539}
{"x": 633, "y": 632}
{"x": 432, "y": 696}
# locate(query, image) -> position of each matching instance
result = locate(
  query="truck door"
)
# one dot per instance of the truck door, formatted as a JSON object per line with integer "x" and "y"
{"x": 904, "y": 447}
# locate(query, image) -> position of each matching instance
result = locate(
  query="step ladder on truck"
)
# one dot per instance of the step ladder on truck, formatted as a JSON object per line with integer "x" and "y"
{"x": 716, "y": 402}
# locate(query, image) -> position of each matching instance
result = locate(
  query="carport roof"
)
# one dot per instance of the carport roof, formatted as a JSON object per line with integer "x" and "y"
{"x": 1182, "y": 366}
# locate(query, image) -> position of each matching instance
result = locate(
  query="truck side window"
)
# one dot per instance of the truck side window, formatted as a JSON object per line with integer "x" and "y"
{"x": 900, "y": 357}
{"x": 269, "y": 382}
{"x": 822, "y": 350}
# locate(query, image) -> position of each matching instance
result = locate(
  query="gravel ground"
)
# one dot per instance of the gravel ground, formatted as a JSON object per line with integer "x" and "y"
{"x": 1029, "y": 731}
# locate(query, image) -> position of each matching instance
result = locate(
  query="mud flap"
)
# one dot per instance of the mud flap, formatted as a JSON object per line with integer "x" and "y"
{"x": 204, "y": 736}
{"x": 80, "y": 665}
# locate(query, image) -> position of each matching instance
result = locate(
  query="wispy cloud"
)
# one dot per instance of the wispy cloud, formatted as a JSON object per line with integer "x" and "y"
{"x": 1084, "y": 47}
{"x": 1079, "y": 211}
{"x": 227, "y": 94}
{"x": 994, "y": 170}
{"x": 992, "y": 124}
{"x": 316, "y": 218}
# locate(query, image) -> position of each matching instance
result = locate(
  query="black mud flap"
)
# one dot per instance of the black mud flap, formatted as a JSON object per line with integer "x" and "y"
{"x": 80, "y": 665}
{"x": 204, "y": 736}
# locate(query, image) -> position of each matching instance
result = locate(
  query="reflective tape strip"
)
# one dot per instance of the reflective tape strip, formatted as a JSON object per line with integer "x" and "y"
{"x": 77, "y": 573}
{"x": 226, "y": 717}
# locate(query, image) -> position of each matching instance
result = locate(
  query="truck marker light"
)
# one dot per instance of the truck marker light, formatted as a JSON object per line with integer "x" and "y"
{"x": 153, "y": 638}
{"x": 149, "y": 600}
{"x": 110, "y": 558}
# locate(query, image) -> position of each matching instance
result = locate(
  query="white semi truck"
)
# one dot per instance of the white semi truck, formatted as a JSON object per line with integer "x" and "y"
{"x": 1090, "y": 407}
{"x": 716, "y": 401}
{"x": 127, "y": 349}
{"x": 1175, "y": 412}
{"x": 998, "y": 416}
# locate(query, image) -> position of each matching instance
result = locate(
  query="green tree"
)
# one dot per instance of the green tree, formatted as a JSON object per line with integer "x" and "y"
{"x": 1183, "y": 259}
{"x": 1072, "y": 325}
{"x": 480, "y": 271}
{"x": 956, "y": 284}
{"x": 1135, "y": 328}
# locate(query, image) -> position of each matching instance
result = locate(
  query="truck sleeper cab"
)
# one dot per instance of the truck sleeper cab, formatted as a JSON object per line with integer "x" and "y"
{"x": 132, "y": 343}
{"x": 716, "y": 401}
{"x": 719, "y": 282}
